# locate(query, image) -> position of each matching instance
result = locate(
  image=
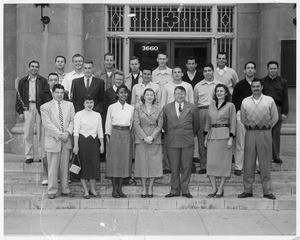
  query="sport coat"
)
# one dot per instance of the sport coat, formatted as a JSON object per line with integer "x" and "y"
{"x": 96, "y": 89}
{"x": 180, "y": 131}
{"x": 51, "y": 123}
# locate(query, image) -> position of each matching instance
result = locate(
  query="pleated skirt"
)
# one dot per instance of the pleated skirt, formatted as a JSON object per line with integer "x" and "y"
{"x": 219, "y": 158}
{"x": 119, "y": 154}
{"x": 148, "y": 160}
{"x": 89, "y": 155}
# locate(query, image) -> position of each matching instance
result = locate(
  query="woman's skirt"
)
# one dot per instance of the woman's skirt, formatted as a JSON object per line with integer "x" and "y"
{"x": 148, "y": 160}
{"x": 119, "y": 154}
{"x": 219, "y": 158}
{"x": 89, "y": 155}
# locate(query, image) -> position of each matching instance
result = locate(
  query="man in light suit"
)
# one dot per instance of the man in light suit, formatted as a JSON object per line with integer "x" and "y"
{"x": 88, "y": 84}
{"x": 181, "y": 124}
{"x": 57, "y": 117}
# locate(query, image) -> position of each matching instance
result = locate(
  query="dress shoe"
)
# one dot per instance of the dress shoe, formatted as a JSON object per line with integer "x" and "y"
{"x": 122, "y": 195}
{"x": 115, "y": 195}
{"x": 171, "y": 195}
{"x": 270, "y": 196}
{"x": 51, "y": 196}
{"x": 245, "y": 195}
{"x": 69, "y": 195}
{"x": 257, "y": 171}
{"x": 237, "y": 172}
{"x": 45, "y": 182}
{"x": 29, "y": 160}
{"x": 86, "y": 196}
{"x": 202, "y": 171}
{"x": 220, "y": 195}
{"x": 150, "y": 195}
{"x": 166, "y": 171}
{"x": 94, "y": 195}
{"x": 211, "y": 195}
{"x": 195, "y": 160}
{"x": 278, "y": 160}
{"x": 40, "y": 160}
{"x": 143, "y": 195}
{"x": 187, "y": 195}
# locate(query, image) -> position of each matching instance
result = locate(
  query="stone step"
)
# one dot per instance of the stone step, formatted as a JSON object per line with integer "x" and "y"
{"x": 196, "y": 189}
{"x": 18, "y": 177}
{"x": 156, "y": 203}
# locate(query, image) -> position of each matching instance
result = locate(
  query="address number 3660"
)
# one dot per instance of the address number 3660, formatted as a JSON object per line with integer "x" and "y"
{"x": 149, "y": 48}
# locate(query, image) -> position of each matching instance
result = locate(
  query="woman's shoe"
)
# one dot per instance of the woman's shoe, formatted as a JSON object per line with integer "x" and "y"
{"x": 220, "y": 195}
{"x": 122, "y": 195}
{"x": 150, "y": 195}
{"x": 94, "y": 195}
{"x": 143, "y": 195}
{"x": 86, "y": 196}
{"x": 115, "y": 195}
{"x": 211, "y": 195}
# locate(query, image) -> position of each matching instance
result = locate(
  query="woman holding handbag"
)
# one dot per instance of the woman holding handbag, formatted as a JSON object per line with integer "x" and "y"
{"x": 118, "y": 125}
{"x": 88, "y": 144}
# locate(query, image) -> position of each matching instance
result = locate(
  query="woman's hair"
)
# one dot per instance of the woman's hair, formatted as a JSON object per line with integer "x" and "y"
{"x": 121, "y": 87}
{"x": 227, "y": 93}
{"x": 143, "y": 96}
{"x": 87, "y": 97}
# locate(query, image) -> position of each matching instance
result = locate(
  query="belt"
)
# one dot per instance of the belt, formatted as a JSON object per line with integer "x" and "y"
{"x": 204, "y": 107}
{"x": 219, "y": 125}
{"x": 121, "y": 127}
{"x": 258, "y": 128}
{"x": 32, "y": 101}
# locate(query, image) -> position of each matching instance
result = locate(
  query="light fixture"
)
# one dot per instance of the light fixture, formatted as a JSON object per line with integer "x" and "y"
{"x": 45, "y": 19}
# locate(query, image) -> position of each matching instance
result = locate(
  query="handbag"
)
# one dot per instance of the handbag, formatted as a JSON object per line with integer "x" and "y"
{"x": 74, "y": 168}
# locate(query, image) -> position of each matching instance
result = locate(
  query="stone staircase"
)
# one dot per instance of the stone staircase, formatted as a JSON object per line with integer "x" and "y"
{"x": 23, "y": 189}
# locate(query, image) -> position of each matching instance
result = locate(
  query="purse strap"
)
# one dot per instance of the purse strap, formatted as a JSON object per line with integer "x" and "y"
{"x": 78, "y": 159}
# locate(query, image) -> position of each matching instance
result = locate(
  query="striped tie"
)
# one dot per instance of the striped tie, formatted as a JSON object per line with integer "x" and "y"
{"x": 61, "y": 119}
{"x": 87, "y": 84}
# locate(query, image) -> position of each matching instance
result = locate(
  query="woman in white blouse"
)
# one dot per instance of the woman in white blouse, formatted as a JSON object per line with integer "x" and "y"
{"x": 118, "y": 125}
{"x": 87, "y": 126}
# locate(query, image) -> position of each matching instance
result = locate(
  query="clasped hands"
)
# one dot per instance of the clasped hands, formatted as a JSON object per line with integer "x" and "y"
{"x": 148, "y": 139}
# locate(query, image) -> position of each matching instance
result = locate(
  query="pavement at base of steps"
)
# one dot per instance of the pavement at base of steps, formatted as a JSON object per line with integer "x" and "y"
{"x": 149, "y": 224}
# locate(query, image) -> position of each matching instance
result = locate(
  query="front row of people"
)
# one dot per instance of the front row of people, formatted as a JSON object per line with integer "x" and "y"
{"x": 180, "y": 122}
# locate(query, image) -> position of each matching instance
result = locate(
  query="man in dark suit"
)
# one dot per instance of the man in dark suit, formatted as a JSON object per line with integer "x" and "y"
{"x": 88, "y": 84}
{"x": 181, "y": 124}
{"x": 192, "y": 76}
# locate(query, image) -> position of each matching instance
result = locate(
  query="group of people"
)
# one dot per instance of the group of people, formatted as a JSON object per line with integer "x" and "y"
{"x": 163, "y": 119}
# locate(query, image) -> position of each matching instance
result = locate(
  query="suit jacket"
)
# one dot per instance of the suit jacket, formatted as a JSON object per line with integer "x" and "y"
{"x": 181, "y": 131}
{"x": 51, "y": 123}
{"x": 198, "y": 77}
{"x": 42, "y": 92}
{"x": 129, "y": 81}
{"x": 96, "y": 89}
{"x": 148, "y": 124}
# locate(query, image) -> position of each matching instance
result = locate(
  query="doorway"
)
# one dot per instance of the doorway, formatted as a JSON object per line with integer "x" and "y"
{"x": 177, "y": 51}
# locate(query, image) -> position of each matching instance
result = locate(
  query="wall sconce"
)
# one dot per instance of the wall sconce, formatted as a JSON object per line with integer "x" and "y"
{"x": 45, "y": 19}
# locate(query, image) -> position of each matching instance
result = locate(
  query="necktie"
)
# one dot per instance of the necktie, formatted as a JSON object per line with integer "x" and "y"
{"x": 180, "y": 109}
{"x": 61, "y": 119}
{"x": 87, "y": 84}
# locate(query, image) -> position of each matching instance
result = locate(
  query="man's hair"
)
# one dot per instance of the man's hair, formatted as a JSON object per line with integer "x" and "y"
{"x": 119, "y": 73}
{"x": 249, "y": 63}
{"x": 162, "y": 53}
{"x": 108, "y": 54}
{"x": 257, "y": 80}
{"x": 222, "y": 53}
{"x": 180, "y": 88}
{"x": 210, "y": 65}
{"x": 60, "y": 56}
{"x": 77, "y": 55}
{"x": 190, "y": 58}
{"x": 53, "y": 73}
{"x": 134, "y": 58}
{"x": 176, "y": 67}
{"x": 273, "y": 62}
{"x": 147, "y": 68}
{"x": 58, "y": 86}
{"x": 34, "y": 61}
{"x": 88, "y": 62}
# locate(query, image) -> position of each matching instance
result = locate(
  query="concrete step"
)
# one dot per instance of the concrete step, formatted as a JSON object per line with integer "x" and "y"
{"x": 156, "y": 203}
{"x": 288, "y": 129}
{"x": 17, "y": 177}
{"x": 196, "y": 189}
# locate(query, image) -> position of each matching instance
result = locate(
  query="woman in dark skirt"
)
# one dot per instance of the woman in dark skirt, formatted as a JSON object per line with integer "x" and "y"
{"x": 88, "y": 144}
{"x": 118, "y": 125}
